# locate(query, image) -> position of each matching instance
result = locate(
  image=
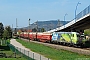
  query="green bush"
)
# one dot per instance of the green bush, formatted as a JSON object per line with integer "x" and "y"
{"x": 87, "y": 32}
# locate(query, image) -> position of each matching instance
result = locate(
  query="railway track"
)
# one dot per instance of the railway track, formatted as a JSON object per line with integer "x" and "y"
{"x": 86, "y": 48}
{"x": 85, "y": 51}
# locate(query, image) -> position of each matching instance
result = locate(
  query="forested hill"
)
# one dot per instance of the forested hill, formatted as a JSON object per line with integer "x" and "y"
{"x": 47, "y": 25}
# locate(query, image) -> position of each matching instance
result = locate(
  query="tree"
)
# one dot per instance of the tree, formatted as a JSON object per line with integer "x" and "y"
{"x": 8, "y": 28}
{"x": 22, "y": 29}
{"x": 1, "y": 30}
{"x": 42, "y": 30}
{"x": 34, "y": 30}
{"x": 87, "y": 32}
{"x": 6, "y": 34}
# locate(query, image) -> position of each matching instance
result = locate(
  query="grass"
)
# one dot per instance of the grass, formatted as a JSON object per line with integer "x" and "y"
{"x": 12, "y": 59}
{"x": 52, "y": 53}
{"x": 9, "y": 53}
{"x": 6, "y": 49}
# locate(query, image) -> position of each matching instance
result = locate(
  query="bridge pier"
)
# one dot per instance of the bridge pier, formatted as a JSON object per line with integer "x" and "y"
{"x": 80, "y": 31}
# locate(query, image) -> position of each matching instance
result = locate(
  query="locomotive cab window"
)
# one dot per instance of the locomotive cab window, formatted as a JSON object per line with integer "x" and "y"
{"x": 72, "y": 35}
{"x": 78, "y": 35}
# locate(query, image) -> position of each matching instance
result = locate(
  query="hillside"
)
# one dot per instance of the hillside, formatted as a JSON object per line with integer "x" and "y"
{"x": 47, "y": 25}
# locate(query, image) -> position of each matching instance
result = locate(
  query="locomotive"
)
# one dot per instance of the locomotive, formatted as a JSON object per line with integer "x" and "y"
{"x": 69, "y": 38}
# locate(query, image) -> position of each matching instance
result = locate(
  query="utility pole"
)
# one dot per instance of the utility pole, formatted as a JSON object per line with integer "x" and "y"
{"x": 16, "y": 26}
{"x": 29, "y": 29}
{"x": 36, "y": 28}
{"x": 16, "y": 23}
{"x": 12, "y": 30}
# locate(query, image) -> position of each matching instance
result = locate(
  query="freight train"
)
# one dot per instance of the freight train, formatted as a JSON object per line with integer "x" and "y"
{"x": 66, "y": 38}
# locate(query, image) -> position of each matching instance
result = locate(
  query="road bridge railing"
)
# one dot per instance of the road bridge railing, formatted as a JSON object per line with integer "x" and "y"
{"x": 83, "y": 14}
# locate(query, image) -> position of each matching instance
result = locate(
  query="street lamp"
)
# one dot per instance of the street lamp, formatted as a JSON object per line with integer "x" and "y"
{"x": 64, "y": 19}
{"x": 29, "y": 29}
{"x": 76, "y": 9}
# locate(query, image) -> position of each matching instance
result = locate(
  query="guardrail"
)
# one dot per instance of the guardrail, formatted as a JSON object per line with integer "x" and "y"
{"x": 83, "y": 13}
{"x": 86, "y": 11}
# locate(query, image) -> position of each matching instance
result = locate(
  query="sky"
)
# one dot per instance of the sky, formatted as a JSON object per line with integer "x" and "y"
{"x": 41, "y": 10}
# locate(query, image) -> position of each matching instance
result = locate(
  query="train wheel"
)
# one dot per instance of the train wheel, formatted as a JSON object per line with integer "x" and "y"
{"x": 70, "y": 45}
{"x": 64, "y": 43}
{"x": 58, "y": 43}
{"x": 50, "y": 41}
{"x": 75, "y": 45}
{"x": 61, "y": 43}
{"x": 38, "y": 40}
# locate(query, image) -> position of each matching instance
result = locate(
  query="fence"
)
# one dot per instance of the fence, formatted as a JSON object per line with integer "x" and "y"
{"x": 83, "y": 13}
{"x": 27, "y": 54}
{"x": 3, "y": 42}
{"x": 17, "y": 52}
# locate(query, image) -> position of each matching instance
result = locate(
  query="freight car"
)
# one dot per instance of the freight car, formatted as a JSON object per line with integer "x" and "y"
{"x": 38, "y": 36}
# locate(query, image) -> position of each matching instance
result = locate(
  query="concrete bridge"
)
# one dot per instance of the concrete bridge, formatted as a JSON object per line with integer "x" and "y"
{"x": 79, "y": 24}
